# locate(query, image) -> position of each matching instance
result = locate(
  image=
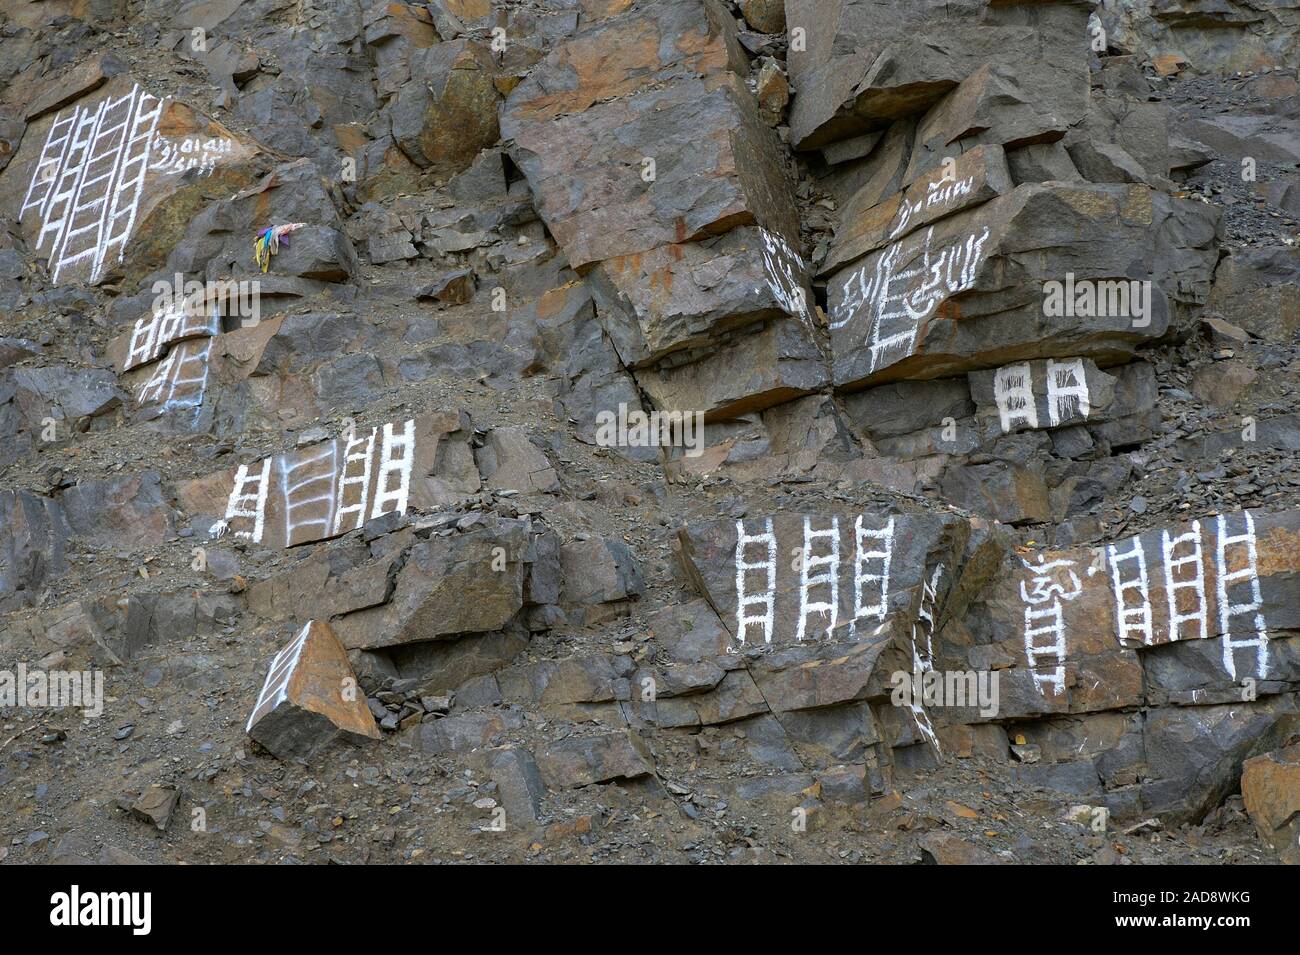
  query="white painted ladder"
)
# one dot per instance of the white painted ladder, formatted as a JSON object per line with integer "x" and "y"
{"x": 872, "y": 553}
{"x": 1177, "y": 580}
{"x": 766, "y": 598}
{"x": 1246, "y": 576}
{"x": 829, "y": 577}
{"x": 396, "y": 456}
{"x": 1132, "y": 593}
{"x": 357, "y": 451}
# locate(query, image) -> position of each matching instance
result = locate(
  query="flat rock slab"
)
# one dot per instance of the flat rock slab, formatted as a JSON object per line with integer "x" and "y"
{"x": 975, "y": 289}
{"x": 96, "y": 171}
{"x": 790, "y": 578}
{"x": 1073, "y": 624}
{"x": 448, "y": 586}
{"x": 329, "y": 488}
{"x": 753, "y": 369}
{"x": 971, "y": 178}
{"x": 572, "y": 763}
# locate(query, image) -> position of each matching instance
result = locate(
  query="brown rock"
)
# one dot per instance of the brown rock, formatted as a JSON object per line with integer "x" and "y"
{"x": 1259, "y": 290}
{"x": 634, "y": 90}
{"x": 582, "y": 761}
{"x": 765, "y": 16}
{"x": 323, "y": 584}
{"x": 1008, "y": 492}
{"x": 125, "y": 510}
{"x": 753, "y": 369}
{"x": 1169, "y": 64}
{"x": 1222, "y": 383}
{"x": 75, "y": 83}
{"x": 1224, "y": 334}
{"x": 945, "y": 848}
{"x": 393, "y": 32}
{"x": 88, "y": 227}
{"x": 1270, "y": 788}
{"x": 589, "y": 678}
{"x": 599, "y": 570}
{"x": 447, "y": 112}
{"x": 508, "y": 460}
{"x": 863, "y": 65}
{"x": 326, "y": 489}
{"x": 454, "y": 288}
{"x": 806, "y": 681}
{"x": 898, "y": 553}
{"x": 773, "y": 92}
{"x": 688, "y": 296}
{"x": 952, "y": 296}
{"x": 1010, "y": 104}
{"x": 310, "y": 697}
{"x": 626, "y": 52}
{"x": 696, "y": 696}
{"x": 1075, "y": 621}
{"x": 715, "y": 166}
{"x": 156, "y": 805}
{"x": 689, "y": 633}
{"x": 469, "y": 582}
{"x": 973, "y": 177}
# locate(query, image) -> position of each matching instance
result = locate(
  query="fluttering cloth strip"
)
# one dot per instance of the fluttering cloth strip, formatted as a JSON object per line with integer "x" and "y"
{"x": 267, "y": 242}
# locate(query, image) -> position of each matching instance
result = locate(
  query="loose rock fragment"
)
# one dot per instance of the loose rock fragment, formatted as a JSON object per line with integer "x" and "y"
{"x": 310, "y": 698}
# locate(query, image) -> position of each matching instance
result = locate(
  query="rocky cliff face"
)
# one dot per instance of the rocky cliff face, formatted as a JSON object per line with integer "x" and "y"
{"x": 613, "y": 430}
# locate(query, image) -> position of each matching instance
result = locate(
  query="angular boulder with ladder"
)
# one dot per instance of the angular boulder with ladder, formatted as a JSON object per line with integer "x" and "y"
{"x": 310, "y": 697}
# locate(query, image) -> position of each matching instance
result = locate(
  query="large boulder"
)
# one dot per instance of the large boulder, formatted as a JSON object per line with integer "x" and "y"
{"x": 652, "y": 168}
{"x": 447, "y": 111}
{"x": 1270, "y": 788}
{"x": 861, "y": 65}
{"x": 1071, "y": 631}
{"x": 688, "y": 296}
{"x": 790, "y": 578}
{"x": 106, "y": 182}
{"x": 217, "y": 243}
{"x": 448, "y": 586}
{"x": 310, "y": 698}
{"x": 1042, "y": 271}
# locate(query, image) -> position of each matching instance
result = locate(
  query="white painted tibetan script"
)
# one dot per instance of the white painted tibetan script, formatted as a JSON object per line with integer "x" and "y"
{"x": 902, "y": 285}
{"x": 1045, "y": 640}
{"x": 786, "y": 271}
